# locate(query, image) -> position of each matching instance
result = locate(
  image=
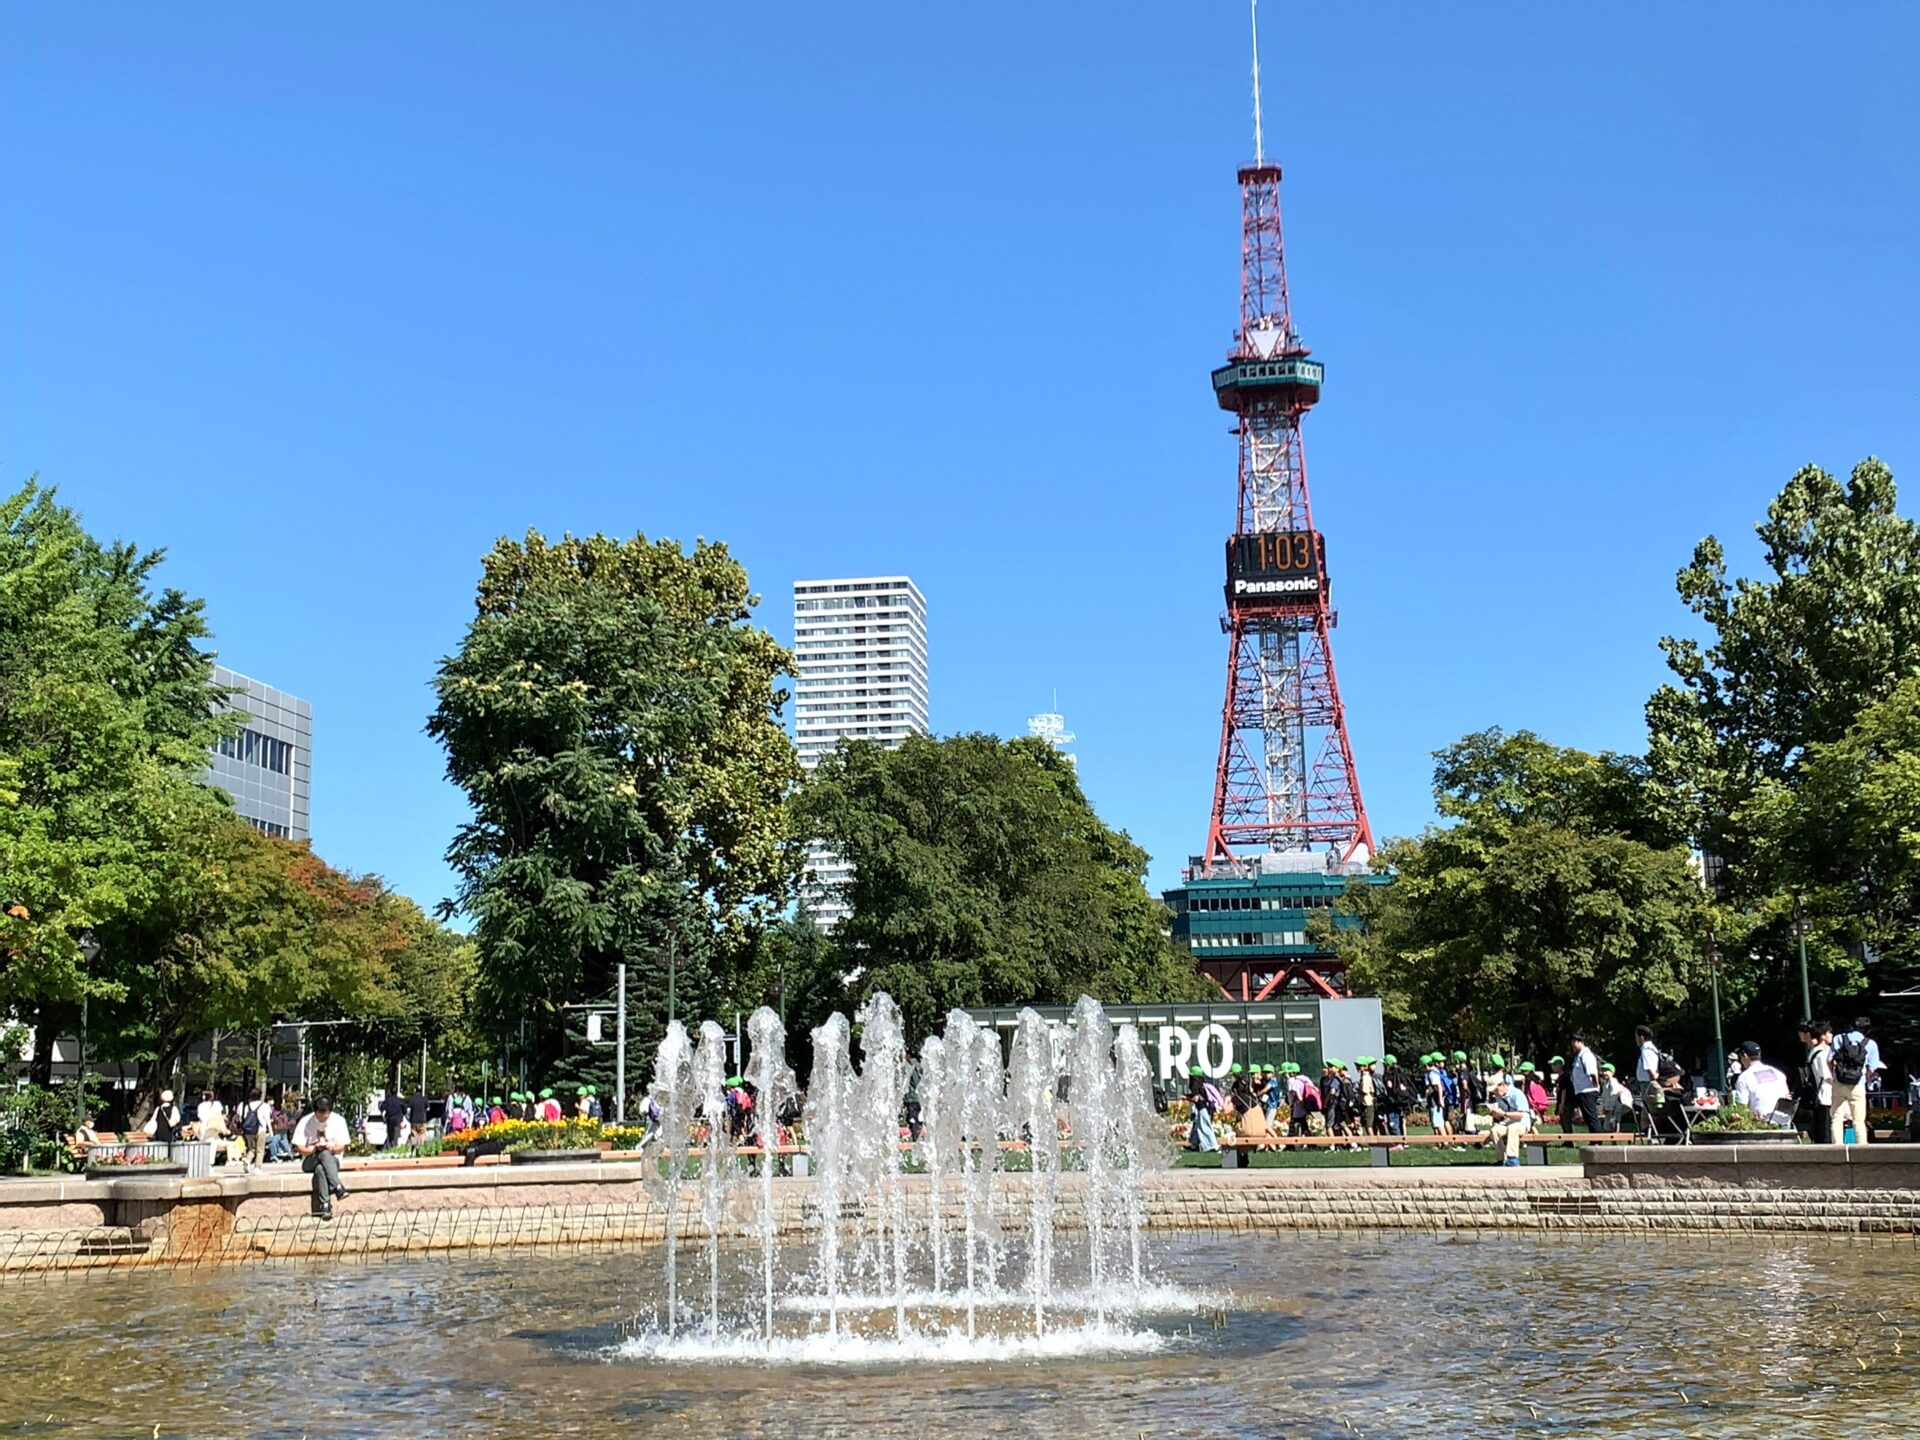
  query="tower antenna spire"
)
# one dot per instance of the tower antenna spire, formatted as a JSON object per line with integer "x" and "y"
{"x": 1259, "y": 144}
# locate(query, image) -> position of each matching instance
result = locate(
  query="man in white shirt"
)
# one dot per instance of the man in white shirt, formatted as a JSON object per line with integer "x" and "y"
{"x": 1762, "y": 1088}
{"x": 1854, "y": 1057}
{"x": 1583, "y": 1080}
{"x": 321, "y": 1139}
{"x": 1646, "y": 1069}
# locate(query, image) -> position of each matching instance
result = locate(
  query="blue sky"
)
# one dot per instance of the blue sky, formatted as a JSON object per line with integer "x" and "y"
{"x": 325, "y": 303}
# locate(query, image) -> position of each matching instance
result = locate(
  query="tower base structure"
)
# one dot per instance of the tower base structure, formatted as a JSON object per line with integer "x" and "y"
{"x": 1259, "y": 927}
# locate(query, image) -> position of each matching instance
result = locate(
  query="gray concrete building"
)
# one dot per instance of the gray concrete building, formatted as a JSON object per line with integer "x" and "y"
{"x": 267, "y": 767}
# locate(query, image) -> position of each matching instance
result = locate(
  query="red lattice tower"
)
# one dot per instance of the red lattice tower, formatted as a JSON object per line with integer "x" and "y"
{"x": 1286, "y": 779}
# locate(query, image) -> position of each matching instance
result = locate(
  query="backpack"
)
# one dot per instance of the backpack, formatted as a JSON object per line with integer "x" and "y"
{"x": 165, "y": 1131}
{"x": 250, "y": 1120}
{"x": 1849, "y": 1058}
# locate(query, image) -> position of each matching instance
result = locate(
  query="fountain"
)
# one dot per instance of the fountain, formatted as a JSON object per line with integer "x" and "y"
{"x": 672, "y": 1098}
{"x": 717, "y": 1173}
{"x": 906, "y": 1254}
{"x": 772, "y": 1088}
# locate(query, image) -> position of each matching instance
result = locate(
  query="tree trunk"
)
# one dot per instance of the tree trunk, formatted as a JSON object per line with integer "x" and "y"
{"x": 167, "y": 1050}
{"x": 46, "y": 1027}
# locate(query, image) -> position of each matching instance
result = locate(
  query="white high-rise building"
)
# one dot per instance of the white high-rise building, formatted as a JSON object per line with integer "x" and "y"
{"x": 860, "y": 655}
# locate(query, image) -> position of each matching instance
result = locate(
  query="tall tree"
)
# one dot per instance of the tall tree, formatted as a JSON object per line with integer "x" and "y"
{"x": 1848, "y": 835}
{"x": 1553, "y": 901}
{"x": 106, "y": 708}
{"x": 614, "y": 720}
{"x": 1792, "y": 660}
{"x": 981, "y": 876}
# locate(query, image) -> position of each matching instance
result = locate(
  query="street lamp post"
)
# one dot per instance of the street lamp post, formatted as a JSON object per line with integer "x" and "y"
{"x": 1713, "y": 974}
{"x": 1800, "y": 928}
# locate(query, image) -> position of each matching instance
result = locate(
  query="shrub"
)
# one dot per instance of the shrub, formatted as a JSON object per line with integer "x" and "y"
{"x": 1733, "y": 1117}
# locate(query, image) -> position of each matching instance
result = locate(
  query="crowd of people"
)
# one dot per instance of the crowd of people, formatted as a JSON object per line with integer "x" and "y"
{"x": 1501, "y": 1100}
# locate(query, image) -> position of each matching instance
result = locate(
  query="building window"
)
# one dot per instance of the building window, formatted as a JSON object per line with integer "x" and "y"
{"x": 250, "y": 747}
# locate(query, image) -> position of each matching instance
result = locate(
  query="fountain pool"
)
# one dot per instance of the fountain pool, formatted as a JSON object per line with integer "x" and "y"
{"x": 1323, "y": 1337}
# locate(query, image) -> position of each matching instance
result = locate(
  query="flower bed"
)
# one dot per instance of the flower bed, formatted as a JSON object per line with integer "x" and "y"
{"x": 548, "y": 1135}
{"x": 110, "y": 1167}
{"x": 1737, "y": 1125}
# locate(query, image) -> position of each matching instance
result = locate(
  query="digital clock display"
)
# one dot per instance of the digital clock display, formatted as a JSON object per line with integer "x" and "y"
{"x": 1275, "y": 568}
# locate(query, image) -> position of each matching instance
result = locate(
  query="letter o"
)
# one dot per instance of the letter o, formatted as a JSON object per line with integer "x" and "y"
{"x": 1214, "y": 1038}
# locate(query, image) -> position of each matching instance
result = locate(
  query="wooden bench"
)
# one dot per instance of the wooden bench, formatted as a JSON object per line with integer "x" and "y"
{"x": 1379, "y": 1148}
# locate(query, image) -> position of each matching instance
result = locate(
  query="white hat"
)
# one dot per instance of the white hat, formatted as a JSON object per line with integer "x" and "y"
{"x": 166, "y": 1097}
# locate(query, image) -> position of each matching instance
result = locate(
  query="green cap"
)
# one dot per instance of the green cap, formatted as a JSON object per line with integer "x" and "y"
{"x": 1364, "y": 1062}
{"x": 546, "y": 1094}
{"x": 1392, "y": 1060}
{"x": 1268, "y": 1067}
{"x": 1557, "y": 1060}
{"x": 1287, "y": 1067}
{"x": 1495, "y": 1060}
{"x": 1335, "y": 1064}
{"x": 1235, "y": 1070}
{"x": 1193, "y": 1070}
{"x": 1459, "y": 1054}
{"x": 734, "y": 1080}
{"x": 496, "y": 1100}
{"x": 1527, "y": 1069}
{"x": 587, "y": 1090}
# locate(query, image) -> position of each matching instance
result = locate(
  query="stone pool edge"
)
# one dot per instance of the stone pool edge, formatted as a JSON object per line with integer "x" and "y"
{"x": 81, "y": 1225}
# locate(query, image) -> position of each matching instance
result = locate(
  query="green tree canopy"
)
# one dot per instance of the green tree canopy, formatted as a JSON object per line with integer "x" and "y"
{"x": 983, "y": 877}
{"x": 614, "y": 720}
{"x": 1547, "y": 906}
{"x": 243, "y": 930}
{"x": 1848, "y": 835}
{"x": 106, "y": 708}
{"x": 1790, "y": 663}
{"x": 1792, "y": 659}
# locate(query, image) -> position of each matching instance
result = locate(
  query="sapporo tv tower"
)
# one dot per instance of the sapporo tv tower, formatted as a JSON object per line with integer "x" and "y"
{"x": 1286, "y": 798}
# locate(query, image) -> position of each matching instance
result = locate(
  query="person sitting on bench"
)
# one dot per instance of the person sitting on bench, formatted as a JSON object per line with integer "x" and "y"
{"x": 321, "y": 1138}
{"x": 1511, "y": 1119}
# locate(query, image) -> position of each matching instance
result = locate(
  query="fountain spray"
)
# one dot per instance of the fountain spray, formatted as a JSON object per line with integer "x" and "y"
{"x": 1139, "y": 1135}
{"x": 717, "y": 1165}
{"x": 939, "y": 1122}
{"x": 672, "y": 1094}
{"x": 772, "y": 1087}
{"x": 829, "y": 1100}
{"x": 1031, "y": 1082}
{"x": 882, "y": 1088}
{"x": 1090, "y": 1104}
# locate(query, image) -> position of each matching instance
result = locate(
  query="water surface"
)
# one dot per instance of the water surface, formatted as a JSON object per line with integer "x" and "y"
{"x": 1292, "y": 1335}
